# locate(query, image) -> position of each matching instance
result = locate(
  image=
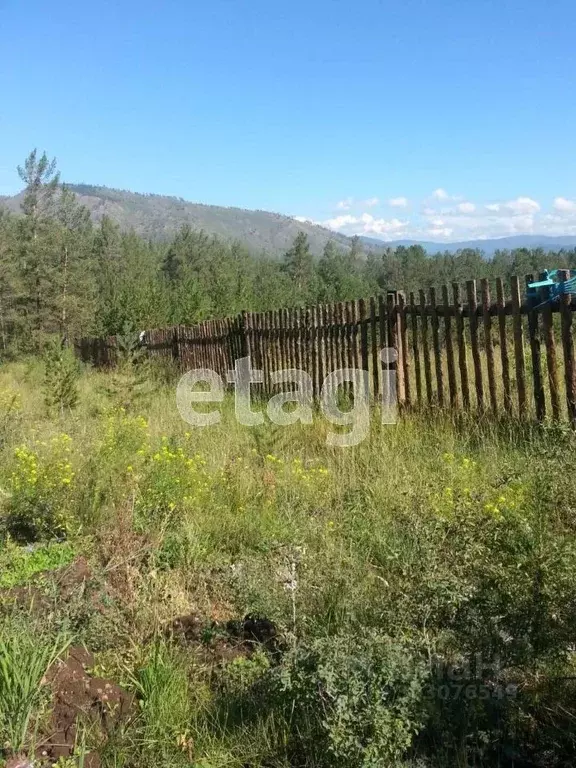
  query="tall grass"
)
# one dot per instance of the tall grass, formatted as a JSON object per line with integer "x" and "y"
{"x": 25, "y": 658}
{"x": 388, "y": 567}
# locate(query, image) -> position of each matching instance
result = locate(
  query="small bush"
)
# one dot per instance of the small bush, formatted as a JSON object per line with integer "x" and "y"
{"x": 61, "y": 378}
{"x": 353, "y": 701}
{"x": 38, "y": 505}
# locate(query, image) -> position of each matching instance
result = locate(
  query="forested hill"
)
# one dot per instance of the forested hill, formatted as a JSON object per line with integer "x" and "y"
{"x": 160, "y": 218}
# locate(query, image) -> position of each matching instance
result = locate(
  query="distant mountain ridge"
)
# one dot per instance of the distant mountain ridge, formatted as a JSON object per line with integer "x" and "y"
{"x": 488, "y": 246}
{"x": 159, "y": 217}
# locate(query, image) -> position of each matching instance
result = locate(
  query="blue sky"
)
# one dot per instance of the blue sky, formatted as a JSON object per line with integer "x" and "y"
{"x": 324, "y": 109}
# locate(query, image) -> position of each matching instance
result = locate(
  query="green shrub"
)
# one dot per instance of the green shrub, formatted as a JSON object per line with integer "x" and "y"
{"x": 38, "y": 504}
{"x": 60, "y": 378}
{"x": 353, "y": 701}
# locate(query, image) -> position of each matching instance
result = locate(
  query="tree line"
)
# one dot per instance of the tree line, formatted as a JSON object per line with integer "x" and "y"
{"x": 62, "y": 274}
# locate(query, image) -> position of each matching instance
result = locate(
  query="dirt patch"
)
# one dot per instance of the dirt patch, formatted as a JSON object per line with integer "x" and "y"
{"x": 72, "y": 576}
{"x": 224, "y": 641}
{"x": 80, "y": 698}
{"x": 34, "y": 597}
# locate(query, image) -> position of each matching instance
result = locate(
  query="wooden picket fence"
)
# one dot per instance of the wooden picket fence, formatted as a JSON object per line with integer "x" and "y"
{"x": 457, "y": 349}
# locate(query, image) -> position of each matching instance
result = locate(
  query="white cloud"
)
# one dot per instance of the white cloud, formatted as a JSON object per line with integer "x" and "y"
{"x": 398, "y": 202}
{"x": 440, "y": 231}
{"x": 350, "y": 202}
{"x": 339, "y": 222}
{"x": 445, "y": 217}
{"x": 564, "y": 205}
{"x": 440, "y": 194}
{"x": 522, "y": 205}
{"x": 303, "y": 220}
{"x": 382, "y": 226}
{"x": 365, "y": 224}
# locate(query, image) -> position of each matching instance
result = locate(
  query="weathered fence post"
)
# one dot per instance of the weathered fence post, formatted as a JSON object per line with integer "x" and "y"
{"x": 568, "y": 347}
{"x": 395, "y": 343}
{"x": 550, "y": 343}
{"x": 518, "y": 345}
{"x": 536, "y": 355}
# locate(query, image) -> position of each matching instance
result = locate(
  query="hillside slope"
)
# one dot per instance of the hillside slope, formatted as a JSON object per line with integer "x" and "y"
{"x": 159, "y": 217}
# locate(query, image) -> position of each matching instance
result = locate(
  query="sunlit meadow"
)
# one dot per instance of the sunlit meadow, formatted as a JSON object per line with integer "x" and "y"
{"x": 380, "y": 567}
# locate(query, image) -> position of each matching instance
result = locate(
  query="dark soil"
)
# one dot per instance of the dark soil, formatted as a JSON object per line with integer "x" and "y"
{"x": 224, "y": 641}
{"x": 78, "y": 697}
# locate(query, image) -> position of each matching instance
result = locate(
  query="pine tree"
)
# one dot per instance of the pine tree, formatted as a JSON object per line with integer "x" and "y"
{"x": 106, "y": 258}
{"x": 340, "y": 276}
{"x": 74, "y": 220}
{"x": 36, "y": 252}
{"x": 61, "y": 378}
{"x": 9, "y": 284}
{"x": 299, "y": 266}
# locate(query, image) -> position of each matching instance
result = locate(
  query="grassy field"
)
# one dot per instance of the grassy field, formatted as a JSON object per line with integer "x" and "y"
{"x": 240, "y": 596}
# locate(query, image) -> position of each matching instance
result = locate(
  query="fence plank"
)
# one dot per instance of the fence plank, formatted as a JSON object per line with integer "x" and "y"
{"x": 258, "y": 351}
{"x": 336, "y": 337}
{"x": 356, "y": 341}
{"x": 200, "y": 335}
{"x": 504, "y": 358}
{"x": 292, "y": 338}
{"x": 385, "y": 345}
{"x": 289, "y": 337}
{"x": 364, "y": 335}
{"x": 395, "y": 342}
{"x": 452, "y": 387}
{"x": 329, "y": 339}
{"x": 436, "y": 344}
{"x": 313, "y": 345}
{"x": 426, "y": 348}
{"x": 349, "y": 334}
{"x": 462, "y": 346}
{"x": 301, "y": 362}
{"x": 258, "y": 343}
{"x": 328, "y": 346}
{"x": 568, "y": 349}
{"x": 275, "y": 330}
{"x": 518, "y": 345}
{"x": 416, "y": 348}
{"x": 550, "y": 344}
{"x": 536, "y": 354}
{"x": 269, "y": 350}
{"x": 473, "y": 318}
{"x": 374, "y": 348}
{"x": 489, "y": 344}
{"x": 403, "y": 328}
{"x": 246, "y": 336}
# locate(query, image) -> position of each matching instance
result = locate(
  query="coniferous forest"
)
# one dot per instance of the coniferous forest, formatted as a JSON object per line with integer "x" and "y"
{"x": 65, "y": 274}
